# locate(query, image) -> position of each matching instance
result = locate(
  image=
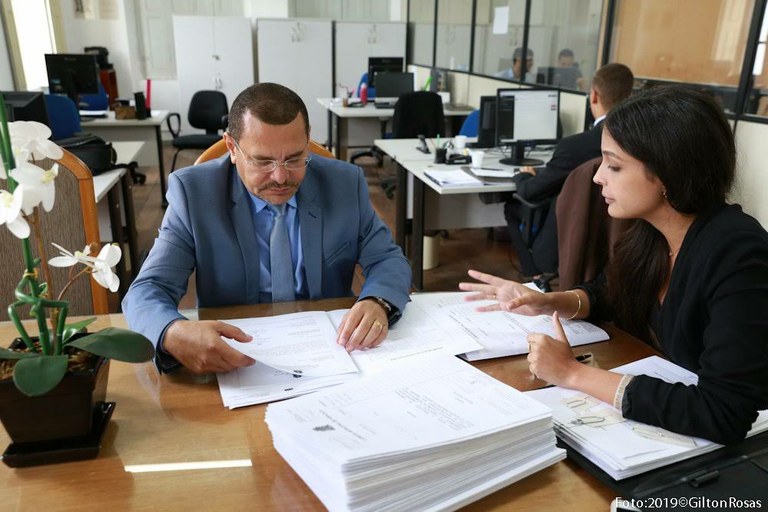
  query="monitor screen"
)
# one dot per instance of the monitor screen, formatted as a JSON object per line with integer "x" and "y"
{"x": 383, "y": 65}
{"x": 486, "y": 123}
{"x": 526, "y": 115}
{"x": 392, "y": 85}
{"x": 25, "y": 106}
{"x": 565, "y": 77}
{"x": 72, "y": 74}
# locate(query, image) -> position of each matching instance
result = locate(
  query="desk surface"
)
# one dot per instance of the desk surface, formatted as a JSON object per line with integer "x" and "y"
{"x": 180, "y": 418}
{"x": 158, "y": 116}
{"x": 126, "y": 152}
{"x": 335, "y": 106}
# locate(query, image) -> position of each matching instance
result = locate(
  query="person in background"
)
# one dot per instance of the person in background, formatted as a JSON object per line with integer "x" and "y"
{"x": 611, "y": 84}
{"x": 690, "y": 277}
{"x": 567, "y": 59}
{"x": 267, "y": 222}
{"x": 516, "y": 71}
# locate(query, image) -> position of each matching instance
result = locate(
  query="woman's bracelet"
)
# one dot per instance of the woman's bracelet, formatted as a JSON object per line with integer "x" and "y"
{"x": 578, "y": 310}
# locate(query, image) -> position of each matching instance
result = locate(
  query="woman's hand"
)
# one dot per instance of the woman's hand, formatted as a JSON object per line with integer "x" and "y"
{"x": 511, "y": 295}
{"x": 551, "y": 359}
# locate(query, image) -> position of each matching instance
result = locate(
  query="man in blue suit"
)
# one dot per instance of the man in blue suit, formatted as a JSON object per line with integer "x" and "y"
{"x": 219, "y": 223}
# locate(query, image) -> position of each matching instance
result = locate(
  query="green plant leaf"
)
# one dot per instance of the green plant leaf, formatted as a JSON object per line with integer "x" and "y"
{"x": 119, "y": 344}
{"x": 35, "y": 376}
{"x": 73, "y": 328}
{"x": 10, "y": 354}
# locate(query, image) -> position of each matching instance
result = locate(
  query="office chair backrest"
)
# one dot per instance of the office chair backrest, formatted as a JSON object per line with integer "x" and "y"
{"x": 586, "y": 233}
{"x": 98, "y": 101}
{"x": 219, "y": 148}
{"x": 418, "y": 113}
{"x": 63, "y": 116}
{"x": 206, "y": 110}
{"x": 72, "y": 223}
{"x": 471, "y": 124}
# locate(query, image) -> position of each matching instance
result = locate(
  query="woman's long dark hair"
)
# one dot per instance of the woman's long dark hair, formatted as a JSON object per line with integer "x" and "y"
{"x": 682, "y": 136}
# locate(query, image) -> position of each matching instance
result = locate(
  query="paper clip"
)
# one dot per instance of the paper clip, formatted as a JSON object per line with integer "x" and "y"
{"x": 659, "y": 434}
{"x": 588, "y": 420}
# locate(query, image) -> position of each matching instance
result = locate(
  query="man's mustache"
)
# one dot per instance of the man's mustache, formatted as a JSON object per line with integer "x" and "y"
{"x": 274, "y": 184}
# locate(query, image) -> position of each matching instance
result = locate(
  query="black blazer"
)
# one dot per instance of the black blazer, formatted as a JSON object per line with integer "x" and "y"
{"x": 713, "y": 322}
{"x": 569, "y": 153}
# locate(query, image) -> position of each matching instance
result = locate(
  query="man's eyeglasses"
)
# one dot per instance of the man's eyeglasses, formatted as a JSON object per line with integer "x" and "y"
{"x": 267, "y": 166}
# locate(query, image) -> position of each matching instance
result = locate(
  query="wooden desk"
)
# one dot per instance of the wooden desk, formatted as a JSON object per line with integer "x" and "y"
{"x": 146, "y": 130}
{"x": 180, "y": 418}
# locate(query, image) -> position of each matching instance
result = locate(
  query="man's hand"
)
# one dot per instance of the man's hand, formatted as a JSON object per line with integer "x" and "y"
{"x": 528, "y": 169}
{"x": 365, "y": 326}
{"x": 199, "y": 347}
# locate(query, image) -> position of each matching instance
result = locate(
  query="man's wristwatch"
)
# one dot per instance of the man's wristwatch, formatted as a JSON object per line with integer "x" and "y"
{"x": 393, "y": 314}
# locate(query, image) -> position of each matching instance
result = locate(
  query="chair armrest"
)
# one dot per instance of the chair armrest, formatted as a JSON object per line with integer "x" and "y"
{"x": 533, "y": 205}
{"x": 174, "y": 132}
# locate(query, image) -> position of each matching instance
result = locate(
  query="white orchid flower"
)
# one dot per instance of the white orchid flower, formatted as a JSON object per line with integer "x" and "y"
{"x": 67, "y": 259}
{"x": 29, "y": 139}
{"x": 39, "y": 185}
{"x": 10, "y": 212}
{"x": 108, "y": 257}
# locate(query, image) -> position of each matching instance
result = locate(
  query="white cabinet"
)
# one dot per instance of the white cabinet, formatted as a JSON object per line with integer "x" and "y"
{"x": 212, "y": 53}
{"x": 297, "y": 54}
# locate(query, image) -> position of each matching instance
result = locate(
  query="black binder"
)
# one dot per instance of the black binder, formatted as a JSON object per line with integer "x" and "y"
{"x": 729, "y": 474}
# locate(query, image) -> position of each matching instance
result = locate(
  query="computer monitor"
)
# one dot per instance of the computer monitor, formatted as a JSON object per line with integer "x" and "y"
{"x": 486, "y": 124}
{"x": 380, "y": 65}
{"x": 524, "y": 117}
{"x": 72, "y": 74}
{"x": 25, "y": 106}
{"x": 565, "y": 77}
{"x": 391, "y": 85}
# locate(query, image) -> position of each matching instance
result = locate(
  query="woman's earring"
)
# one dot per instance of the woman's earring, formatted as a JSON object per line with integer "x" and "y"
{"x": 664, "y": 193}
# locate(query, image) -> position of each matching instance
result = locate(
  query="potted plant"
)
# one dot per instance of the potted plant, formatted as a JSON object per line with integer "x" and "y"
{"x": 57, "y": 390}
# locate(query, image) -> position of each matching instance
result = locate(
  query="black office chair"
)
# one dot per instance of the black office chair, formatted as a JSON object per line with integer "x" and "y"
{"x": 416, "y": 113}
{"x": 208, "y": 111}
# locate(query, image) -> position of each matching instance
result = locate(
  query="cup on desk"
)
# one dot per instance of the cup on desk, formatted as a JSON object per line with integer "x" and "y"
{"x": 440, "y": 154}
{"x": 477, "y": 158}
{"x": 460, "y": 142}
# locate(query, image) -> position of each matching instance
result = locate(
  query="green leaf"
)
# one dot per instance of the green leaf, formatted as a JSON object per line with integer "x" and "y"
{"x": 119, "y": 344}
{"x": 10, "y": 354}
{"x": 35, "y": 376}
{"x": 72, "y": 329}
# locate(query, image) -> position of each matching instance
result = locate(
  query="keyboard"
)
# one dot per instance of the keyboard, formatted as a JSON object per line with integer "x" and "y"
{"x": 384, "y": 104}
{"x": 458, "y": 106}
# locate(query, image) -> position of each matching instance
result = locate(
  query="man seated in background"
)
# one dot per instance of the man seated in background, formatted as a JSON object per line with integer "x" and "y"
{"x": 611, "y": 84}
{"x": 516, "y": 71}
{"x": 267, "y": 222}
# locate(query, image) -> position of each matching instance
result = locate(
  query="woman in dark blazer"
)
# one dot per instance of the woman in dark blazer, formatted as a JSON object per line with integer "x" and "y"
{"x": 690, "y": 277}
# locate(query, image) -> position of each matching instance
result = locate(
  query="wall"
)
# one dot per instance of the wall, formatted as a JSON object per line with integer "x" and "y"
{"x": 751, "y": 174}
{"x": 111, "y": 33}
{"x": 6, "y": 80}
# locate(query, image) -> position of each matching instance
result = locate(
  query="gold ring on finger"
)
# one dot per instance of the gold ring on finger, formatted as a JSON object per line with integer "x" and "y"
{"x": 378, "y": 324}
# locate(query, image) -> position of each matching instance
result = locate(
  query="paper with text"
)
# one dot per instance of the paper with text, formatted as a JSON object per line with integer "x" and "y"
{"x": 500, "y": 333}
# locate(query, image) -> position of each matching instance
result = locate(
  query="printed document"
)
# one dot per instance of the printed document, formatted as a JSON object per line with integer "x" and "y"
{"x": 622, "y": 447}
{"x": 500, "y": 333}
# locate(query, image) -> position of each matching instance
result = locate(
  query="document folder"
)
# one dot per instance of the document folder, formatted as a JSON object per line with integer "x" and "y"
{"x": 728, "y": 474}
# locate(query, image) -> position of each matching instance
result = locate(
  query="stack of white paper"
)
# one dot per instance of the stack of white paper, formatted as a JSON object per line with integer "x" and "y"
{"x": 297, "y": 353}
{"x": 499, "y": 333}
{"x": 624, "y": 448}
{"x": 418, "y": 437}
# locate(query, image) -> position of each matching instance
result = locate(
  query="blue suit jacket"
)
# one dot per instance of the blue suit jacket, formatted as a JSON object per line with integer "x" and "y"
{"x": 208, "y": 227}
